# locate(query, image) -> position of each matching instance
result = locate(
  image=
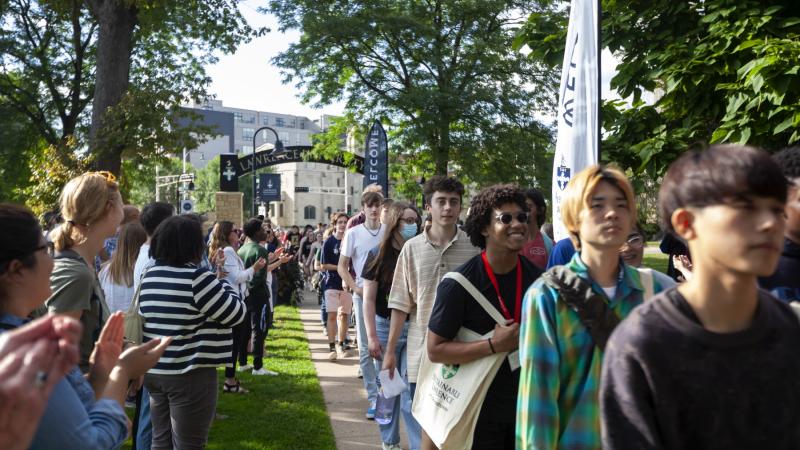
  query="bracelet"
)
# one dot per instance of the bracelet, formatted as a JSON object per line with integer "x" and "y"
{"x": 489, "y": 340}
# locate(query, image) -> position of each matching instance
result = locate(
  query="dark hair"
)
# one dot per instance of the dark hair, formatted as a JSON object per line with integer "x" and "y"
{"x": 252, "y": 227}
{"x": 541, "y": 206}
{"x": 789, "y": 161}
{"x": 441, "y": 183}
{"x": 178, "y": 241}
{"x": 21, "y": 236}
{"x": 386, "y": 260}
{"x": 153, "y": 214}
{"x": 718, "y": 175}
{"x": 481, "y": 211}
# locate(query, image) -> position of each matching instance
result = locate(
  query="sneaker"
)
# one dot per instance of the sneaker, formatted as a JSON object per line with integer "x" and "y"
{"x": 245, "y": 368}
{"x": 332, "y": 355}
{"x": 264, "y": 371}
{"x": 342, "y": 352}
{"x": 386, "y": 446}
{"x": 371, "y": 412}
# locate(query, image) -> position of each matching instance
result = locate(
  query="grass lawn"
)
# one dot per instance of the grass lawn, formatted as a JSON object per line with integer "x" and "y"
{"x": 283, "y": 412}
{"x": 656, "y": 261}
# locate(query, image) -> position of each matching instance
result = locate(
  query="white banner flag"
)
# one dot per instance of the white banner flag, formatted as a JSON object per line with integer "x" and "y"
{"x": 578, "y": 104}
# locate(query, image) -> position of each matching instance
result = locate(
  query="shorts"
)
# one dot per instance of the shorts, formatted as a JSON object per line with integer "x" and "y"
{"x": 339, "y": 301}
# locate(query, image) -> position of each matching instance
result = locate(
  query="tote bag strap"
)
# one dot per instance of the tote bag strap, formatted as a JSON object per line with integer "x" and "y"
{"x": 476, "y": 294}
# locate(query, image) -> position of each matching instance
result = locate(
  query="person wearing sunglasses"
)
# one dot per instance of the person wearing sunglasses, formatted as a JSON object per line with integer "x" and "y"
{"x": 561, "y": 357}
{"x": 498, "y": 224}
{"x": 92, "y": 209}
{"x": 223, "y": 256}
{"x": 632, "y": 253}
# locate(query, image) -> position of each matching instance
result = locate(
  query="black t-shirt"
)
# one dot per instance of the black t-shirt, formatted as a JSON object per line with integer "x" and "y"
{"x": 381, "y": 298}
{"x": 454, "y": 307}
{"x": 305, "y": 248}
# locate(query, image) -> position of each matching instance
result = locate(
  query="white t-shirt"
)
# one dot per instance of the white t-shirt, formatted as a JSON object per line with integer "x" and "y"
{"x": 118, "y": 296}
{"x": 143, "y": 262}
{"x": 357, "y": 243}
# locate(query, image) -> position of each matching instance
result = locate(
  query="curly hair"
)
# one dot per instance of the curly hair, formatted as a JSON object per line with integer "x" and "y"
{"x": 481, "y": 211}
{"x": 789, "y": 160}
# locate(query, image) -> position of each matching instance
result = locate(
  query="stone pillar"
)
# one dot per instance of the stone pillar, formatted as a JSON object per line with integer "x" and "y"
{"x": 230, "y": 207}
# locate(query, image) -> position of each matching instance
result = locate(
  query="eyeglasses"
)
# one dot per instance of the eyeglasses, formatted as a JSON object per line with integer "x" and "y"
{"x": 106, "y": 174}
{"x": 506, "y": 218}
{"x": 6, "y": 261}
{"x": 635, "y": 240}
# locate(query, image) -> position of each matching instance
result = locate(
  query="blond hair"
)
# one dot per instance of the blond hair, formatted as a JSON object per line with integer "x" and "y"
{"x": 578, "y": 196}
{"x": 219, "y": 238}
{"x": 84, "y": 201}
{"x": 123, "y": 261}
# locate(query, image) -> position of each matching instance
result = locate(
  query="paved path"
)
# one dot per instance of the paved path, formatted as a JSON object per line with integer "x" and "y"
{"x": 345, "y": 397}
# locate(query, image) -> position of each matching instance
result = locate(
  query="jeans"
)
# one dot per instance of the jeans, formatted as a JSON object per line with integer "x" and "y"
{"x": 365, "y": 361}
{"x": 240, "y": 337}
{"x": 390, "y": 433}
{"x": 182, "y": 408}
{"x": 260, "y": 318}
{"x": 144, "y": 435}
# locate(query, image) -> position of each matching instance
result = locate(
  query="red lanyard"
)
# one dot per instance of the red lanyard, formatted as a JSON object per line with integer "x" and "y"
{"x": 493, "y": 279}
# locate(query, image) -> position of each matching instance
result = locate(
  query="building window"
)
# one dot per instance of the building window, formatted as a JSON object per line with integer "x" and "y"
{"x": 297, "y": 139}
{"x": 284, "y": 137}
{"x": 302, "y": 124}
{"x": 247, "y": 133}
{"x": 279, "y": 122}
{"x": 265, "y": 120}
{"x": 237, "y": 117}
{"x": 280, "y": 210}
{"x": 310, "y": 213}
{"x": 247, "y": 149}
{"x": 351, "y": 190}
{"x": 328, "y": 212}
{"x": 249, "y": 119}
{"x": 338, "y": 182}
{"x": 292, "y": 123}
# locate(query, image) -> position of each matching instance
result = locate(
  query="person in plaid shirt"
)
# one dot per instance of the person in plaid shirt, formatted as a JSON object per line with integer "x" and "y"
{"x": 557, "y": 404}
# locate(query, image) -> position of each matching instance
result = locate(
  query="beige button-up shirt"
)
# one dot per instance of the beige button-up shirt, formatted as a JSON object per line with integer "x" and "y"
{"x": 420, "y": 267}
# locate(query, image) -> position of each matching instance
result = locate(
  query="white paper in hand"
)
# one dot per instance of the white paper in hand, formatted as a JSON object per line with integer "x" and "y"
{"x": 391, "y": 387}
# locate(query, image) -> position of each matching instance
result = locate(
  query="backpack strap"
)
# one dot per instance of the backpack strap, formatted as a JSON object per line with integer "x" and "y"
{"x": 648, "y": 283}
{"x": 592, "y": 309}
{"x": 476, "y": 294}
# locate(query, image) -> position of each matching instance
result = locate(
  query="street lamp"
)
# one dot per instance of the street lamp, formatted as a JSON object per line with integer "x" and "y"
{"x": 278, "y": 149}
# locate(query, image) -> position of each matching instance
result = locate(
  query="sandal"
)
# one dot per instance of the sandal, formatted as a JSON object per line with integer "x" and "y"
{"x": 234, "y": 388}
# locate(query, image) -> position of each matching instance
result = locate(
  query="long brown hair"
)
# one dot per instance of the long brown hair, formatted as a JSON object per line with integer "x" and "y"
{"x": 384, "y": 263}
{"x": 219, "y": 238}
{"x": 121, "y": 265}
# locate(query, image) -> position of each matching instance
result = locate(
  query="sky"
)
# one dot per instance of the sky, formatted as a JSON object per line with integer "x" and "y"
{"x": 248, "y": 80}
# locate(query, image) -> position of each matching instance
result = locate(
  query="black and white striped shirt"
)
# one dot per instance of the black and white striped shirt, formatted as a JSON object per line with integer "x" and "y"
{"x": 197, "y": 310}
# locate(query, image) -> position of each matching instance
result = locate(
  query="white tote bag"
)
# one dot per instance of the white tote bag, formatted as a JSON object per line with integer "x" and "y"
{"x": 449, "y": 397}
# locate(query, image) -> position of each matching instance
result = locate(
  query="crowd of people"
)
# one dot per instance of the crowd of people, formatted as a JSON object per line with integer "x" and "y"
{"x": 504, "y": 338}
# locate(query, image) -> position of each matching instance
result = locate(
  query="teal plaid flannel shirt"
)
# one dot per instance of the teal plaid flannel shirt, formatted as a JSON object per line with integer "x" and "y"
{"x": 557, "y": 405}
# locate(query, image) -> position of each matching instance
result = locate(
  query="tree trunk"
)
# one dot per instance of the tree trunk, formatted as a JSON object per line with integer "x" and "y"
{"x": 117, "y": 20}
{"x": 441, "y": 151}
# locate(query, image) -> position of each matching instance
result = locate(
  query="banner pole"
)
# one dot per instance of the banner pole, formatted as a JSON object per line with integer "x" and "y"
{"x": 599, "y": 79}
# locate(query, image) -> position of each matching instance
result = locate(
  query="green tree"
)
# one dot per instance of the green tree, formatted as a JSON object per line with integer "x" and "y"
{"x": 440, "y": 74}
{"x": 138, "y": 179}
{"x": 19, "y": 141}
{"x": 206, "y": 186}
{"x": 721, "y": 71}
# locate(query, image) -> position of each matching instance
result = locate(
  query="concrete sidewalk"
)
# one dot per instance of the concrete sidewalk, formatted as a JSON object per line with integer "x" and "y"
{"x": 345, "y": 397}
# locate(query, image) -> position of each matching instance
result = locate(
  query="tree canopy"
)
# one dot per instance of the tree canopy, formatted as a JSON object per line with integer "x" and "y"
{"x": 720, "y": 71}
{"x": 439, "y": 74}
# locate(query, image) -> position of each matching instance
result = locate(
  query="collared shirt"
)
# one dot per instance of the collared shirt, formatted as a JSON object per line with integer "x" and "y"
{"x": 72, "y": 418}
{"x": 557, "y": 405}
{"x": 420, "y": 267}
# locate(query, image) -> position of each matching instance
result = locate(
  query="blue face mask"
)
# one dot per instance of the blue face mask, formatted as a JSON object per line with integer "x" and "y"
{"x": 409, "y": 230}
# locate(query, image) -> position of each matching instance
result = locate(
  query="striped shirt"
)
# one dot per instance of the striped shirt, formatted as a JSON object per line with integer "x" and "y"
{"x": 420, "y": 267}
{"x": 557, "y": 404}
{"x": 197, "y": 310}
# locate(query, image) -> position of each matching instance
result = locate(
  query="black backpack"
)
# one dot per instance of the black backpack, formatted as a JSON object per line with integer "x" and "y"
{"x": 591, "y": 307}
